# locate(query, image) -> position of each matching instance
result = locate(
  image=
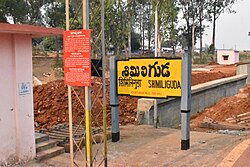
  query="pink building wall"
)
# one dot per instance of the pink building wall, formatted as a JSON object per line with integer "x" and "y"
{"x": 227, "y": 56}
{"x": 7, "y": 103}
{"x": 16, "y": 115}
{"x": 17, "y": 133}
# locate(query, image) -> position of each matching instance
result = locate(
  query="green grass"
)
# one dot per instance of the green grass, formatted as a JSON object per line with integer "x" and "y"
{"x": 244, "y": 57}
{"x": 206, "y": 58}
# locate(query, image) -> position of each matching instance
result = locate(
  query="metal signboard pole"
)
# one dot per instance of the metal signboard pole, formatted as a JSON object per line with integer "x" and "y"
{"x": 69, "y": 97}
{"x": 186, "y": 100}
{"x": 156, "y": 55}
{"x": 87, "y": 95}
{"x": 114, "y": 100}
{"x": 105, "y": 150}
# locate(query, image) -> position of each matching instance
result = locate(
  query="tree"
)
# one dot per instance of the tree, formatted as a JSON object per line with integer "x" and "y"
{"x": 17, "y": 9}
{"x": 35, "y": 16}
{"x": 215, "y": 9}
{"x": 55, "y": 17}
{"x": 135, "y": 41}
{"x": 167, "y": 17}
{"x": 141, "y": 19}
{"x": 193, "y": 14}
{"x": 168, "y": 13}
{"x": 22, "y": 11}
{"x": 186, "y": 7}
{"x": 142, "y": 11}
{"x": 148, "y": 23}
{"x": 202, "y": 15}
{"x": 3, "y": 18}
{"x": 55, "y": 13}
{"x": 117, "y": 25}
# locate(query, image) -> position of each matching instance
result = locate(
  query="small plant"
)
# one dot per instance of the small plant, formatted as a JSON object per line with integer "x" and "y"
{"x": 202, "y": 61}
{"x": 58, "y": 66}
{"x": 36, "y": 51}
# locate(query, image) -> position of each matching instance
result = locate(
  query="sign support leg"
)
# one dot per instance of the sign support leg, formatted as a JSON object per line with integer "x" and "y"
{"x": 70, "y": 127}
{"x": 69, "y": 97}
{"x": 186, "y": 101}
{"x": 88, "y": 127}
{"x": 156, "y": 55}
{"x": 105, "y": 150}
{"x": 185, "y": 130}
{"x": 115, "y": 123}
{"x": 155, "y": 114}
{"x": 88, "y": 120}
{"x": 114, "y": 101}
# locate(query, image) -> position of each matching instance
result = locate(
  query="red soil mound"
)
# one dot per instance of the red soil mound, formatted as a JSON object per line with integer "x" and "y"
{"x": 51, "y": 104}
{"x": 51, "y": 100}
{"x": 226, "y": 108}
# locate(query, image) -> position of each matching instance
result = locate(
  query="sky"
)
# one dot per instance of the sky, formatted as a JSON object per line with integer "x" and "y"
{"x": 232, "y": 29}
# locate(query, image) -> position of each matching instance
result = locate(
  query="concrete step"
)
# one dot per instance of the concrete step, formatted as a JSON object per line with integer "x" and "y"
{"x": 45, "y": 145}
{"x": 52, "y": 134}
{"x": 41, "y": 137}
{"x": 46, "y": 154}
{"x": 60, "y": 138}
{"x": 65, "y": 132}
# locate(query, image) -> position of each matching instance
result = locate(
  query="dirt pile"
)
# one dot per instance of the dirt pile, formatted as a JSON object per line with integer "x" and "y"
{"x": 226, "y": 108}
{"x": 213, "y": 63}
{"x": 51, "y": 100}
{"x": 51, "y": 104}
{"x": 202, "y": 77}
{"x": 217, "y": 72}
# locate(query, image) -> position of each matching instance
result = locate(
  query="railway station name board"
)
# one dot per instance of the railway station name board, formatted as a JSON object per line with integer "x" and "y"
{"x": 149, "y": 77}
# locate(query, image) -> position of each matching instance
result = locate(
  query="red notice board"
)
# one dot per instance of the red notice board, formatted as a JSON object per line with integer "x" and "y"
{"x": 77, "y": 61}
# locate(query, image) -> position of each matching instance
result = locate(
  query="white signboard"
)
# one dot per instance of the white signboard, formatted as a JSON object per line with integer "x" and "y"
{"x": 24, "y": 88}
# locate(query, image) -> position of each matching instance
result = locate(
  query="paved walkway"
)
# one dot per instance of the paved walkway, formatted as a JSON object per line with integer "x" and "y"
{"x": 239, "y": 156}
{"x": 244, "y": 159}
{"x": 146, "y": 146}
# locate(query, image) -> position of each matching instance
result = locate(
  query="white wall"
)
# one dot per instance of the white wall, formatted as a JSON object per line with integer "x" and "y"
{"x": 232, "y": 59}
{"x": 16, "y": 110}
{"x": 237, "y": 57}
